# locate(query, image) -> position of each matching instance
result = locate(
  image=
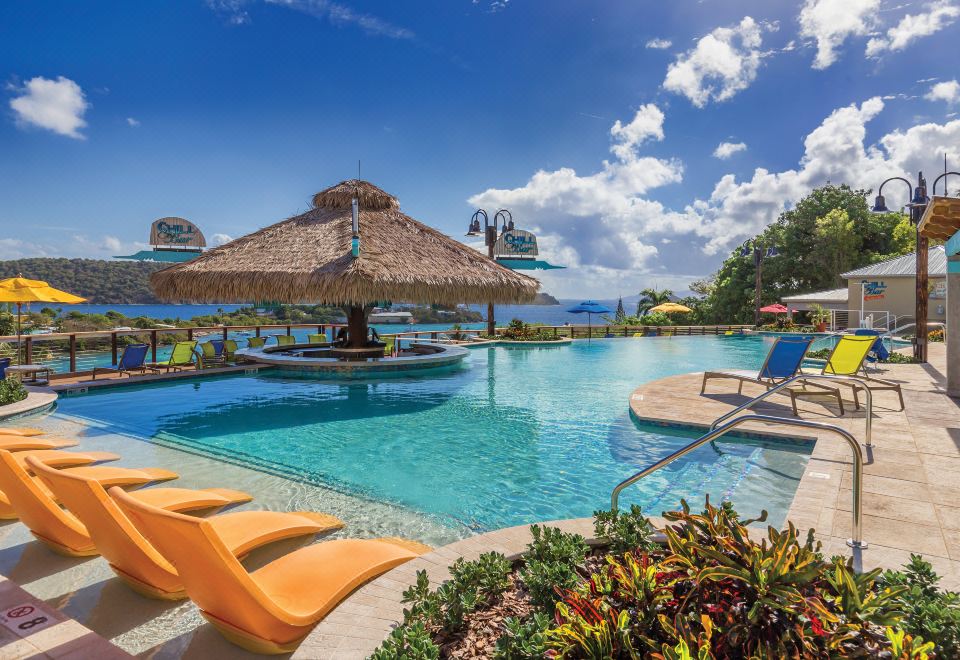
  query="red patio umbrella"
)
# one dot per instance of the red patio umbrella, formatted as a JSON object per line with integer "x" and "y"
{"x": 775, "y": 308}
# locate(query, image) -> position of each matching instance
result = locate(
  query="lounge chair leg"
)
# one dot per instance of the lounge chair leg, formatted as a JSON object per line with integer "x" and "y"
{"x": 840, "y": 403}
{"x": 856, "y": 399}
{"x": 740, "y": 387}
{"x": 703, "y": 387}
{"x": 903, "y": 406}
{"x": 793, "y": 403}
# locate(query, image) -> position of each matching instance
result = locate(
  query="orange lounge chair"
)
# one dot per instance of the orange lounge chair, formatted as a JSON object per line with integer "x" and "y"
{"x": 15, "y": 477}
{"x": 137, "y": 562}
{"x": 22, "y": 442}
{"x": 61, "y": 459}
{"x": 25, "y": 432}
{"x": 273, "y": 608}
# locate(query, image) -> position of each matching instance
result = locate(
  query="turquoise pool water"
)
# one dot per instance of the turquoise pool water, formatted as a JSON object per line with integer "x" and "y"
{"x": 512, "y": 436}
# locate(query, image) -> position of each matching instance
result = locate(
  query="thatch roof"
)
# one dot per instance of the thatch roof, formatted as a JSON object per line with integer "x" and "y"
{"x": 306, "y": 259}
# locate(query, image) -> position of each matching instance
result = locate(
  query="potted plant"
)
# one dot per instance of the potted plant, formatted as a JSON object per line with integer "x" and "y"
{"x": 819, "y": 317}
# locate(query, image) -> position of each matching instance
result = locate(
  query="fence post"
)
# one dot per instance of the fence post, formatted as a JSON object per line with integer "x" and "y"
{"x": 73, "y": 353}
{"x": 113, "y": 348}
{"x": 224, "y": 333}
{"x": 554, "y": 332}
{"x": 153, "y": 345}
{"x": 258, "y": 331}
{"x": 28, "y": 350}
{"x": 288, "y": 330}
{"x": 189, "y": 334}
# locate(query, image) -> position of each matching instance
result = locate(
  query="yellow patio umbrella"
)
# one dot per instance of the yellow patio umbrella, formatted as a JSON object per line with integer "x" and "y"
{"x": 671, "y": 308}
{"x": 20, "y": 290}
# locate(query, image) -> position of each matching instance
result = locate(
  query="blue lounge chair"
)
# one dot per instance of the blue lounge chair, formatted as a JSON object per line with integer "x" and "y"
{"x": 783, "y": 361}
{"x": 4, "y": 363}
{"x": 132, "y": 359}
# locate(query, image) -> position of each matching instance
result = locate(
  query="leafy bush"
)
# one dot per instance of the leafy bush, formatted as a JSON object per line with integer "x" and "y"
{"x": 932, "y": 614}
{"x": 523, "y": 640}
{"x": 11, "y": 391}
{"x": 936, "y": 335}
{"x": 520, "y": 331}
{"x": 550, "y": 563}
{"x": 624, "y": 531}
{"x": 711, "y": 592}
{"x": 900, "y": 358}
{"x": 655, "y": 318}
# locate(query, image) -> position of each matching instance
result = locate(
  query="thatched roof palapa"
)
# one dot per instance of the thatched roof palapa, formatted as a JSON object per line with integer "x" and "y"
{"x": 307, "y": 259}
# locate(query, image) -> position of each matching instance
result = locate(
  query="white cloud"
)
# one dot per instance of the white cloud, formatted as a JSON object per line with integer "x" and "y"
{"x": 56, "y": 105}
{"x": 831, "y": 22}
{"x": 948, "y": 91}
{"x": 111, "y": 243}
{"x": 659, "y": 44}
{"x": 647, "y": 123}
{"x": 721, "y": 64}
{"x": 220, "y": 239}
{"x": 133, "y": 122}
{"x": 937, "y": 16}
{"x": 596, "y": 220}
{"x": 725, "y": 150}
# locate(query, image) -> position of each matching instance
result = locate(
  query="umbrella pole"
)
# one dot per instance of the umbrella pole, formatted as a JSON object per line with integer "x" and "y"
{"x": 19, "y": 305}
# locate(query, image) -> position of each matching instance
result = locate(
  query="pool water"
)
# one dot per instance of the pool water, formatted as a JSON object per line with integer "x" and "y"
{"x": 512, "y": 436}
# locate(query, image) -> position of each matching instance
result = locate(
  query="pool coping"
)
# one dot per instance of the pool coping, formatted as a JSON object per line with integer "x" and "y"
{"x": 447, "y": 354}
{"x": 39, "y": 399}
{"x": 82, "y": 386}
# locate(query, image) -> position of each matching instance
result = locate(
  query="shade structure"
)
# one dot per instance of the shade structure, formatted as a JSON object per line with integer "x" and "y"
{"x": 775, "y": 308}
{"x": 590, "y": 307}
{"x": 20, "y": 290}
{"x": 308, "y": 259}
{"x": 671, "y": 308}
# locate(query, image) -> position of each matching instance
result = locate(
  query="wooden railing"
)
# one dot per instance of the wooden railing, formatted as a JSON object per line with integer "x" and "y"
{"x": 73, "y": 343}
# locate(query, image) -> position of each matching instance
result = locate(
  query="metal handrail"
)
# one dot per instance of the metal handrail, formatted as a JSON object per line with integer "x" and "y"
{"x": 779, "y": 386}
{"x": 856, "y": 541}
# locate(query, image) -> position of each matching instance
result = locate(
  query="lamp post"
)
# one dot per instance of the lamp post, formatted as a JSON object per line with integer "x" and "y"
{"x": 917, "y": 205}
{"x": 760, "y": 252}
{"x": 490, "y": 239}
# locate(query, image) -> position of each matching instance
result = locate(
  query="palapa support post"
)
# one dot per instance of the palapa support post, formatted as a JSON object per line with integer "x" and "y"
{"x": 356, "y": 326}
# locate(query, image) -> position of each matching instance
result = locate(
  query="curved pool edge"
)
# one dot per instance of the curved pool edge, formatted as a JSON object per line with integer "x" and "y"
{"x": 39, "y": 399}
{"x": 442, "y": 355}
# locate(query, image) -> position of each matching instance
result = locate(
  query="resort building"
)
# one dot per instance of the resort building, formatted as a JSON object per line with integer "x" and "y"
{"x": 885, "y": 289}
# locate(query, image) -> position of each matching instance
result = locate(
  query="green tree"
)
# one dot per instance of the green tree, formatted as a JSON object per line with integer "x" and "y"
{"x": 839, "y": 244}
{"x": 904, "y": 236}
{"x": 651, "y": 298}
{"x": 621, "y": 314}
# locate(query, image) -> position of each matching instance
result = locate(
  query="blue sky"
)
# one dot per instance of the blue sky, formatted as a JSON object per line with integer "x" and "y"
{"x": 599, "y": 125}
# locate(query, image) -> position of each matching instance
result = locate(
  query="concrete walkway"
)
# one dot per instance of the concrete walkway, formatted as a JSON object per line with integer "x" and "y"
{"x": 911, "y": 485}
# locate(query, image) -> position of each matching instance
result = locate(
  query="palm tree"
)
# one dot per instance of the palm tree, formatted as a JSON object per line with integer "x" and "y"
{"x": 651, "y": 298}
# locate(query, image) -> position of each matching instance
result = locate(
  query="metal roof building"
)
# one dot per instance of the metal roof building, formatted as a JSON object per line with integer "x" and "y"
{"x": 905, "y": 266}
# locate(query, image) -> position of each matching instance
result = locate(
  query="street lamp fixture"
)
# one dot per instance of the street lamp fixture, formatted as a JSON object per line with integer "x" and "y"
{"x": 504, "y": 218}
{"x": 759, "y": 252}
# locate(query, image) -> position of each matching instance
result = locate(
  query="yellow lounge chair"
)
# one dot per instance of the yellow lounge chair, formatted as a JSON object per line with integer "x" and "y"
{"x": 13, "y": 478}
{"x": 285, "y": 340}
{"x": 137, "y": 562}
{"x": 24, "y": 442}
{"x": 25, "y": 432}
{"x": 273, "y": 608}
{"x": 847, "y": 359}
{"x": 256, "y": 342}
{"x": 181, "y": 356}
{"x": 229, "y": 350}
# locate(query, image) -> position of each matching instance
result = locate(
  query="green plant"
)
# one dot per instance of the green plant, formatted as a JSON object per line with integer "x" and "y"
{"x": 11, "y": 391}
{"x": 818, "y": 314}
{"x": 408, "y": 642}
{"x": 523, "y": 639}
{"x": 550, "y": 563}
{"x": 899, "y": 358}
{"x": 932, "y": 614}
{"x": 624, "y": 531}
{"x": 936, "y": 335}
{"x": 655, "y": 318}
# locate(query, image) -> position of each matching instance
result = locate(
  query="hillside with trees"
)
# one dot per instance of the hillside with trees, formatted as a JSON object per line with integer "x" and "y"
{"x": 100, "y": 282}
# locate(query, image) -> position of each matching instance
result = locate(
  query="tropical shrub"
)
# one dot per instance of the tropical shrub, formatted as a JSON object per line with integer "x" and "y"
{"x": 936, "y": 335}
{"x": 520, "y": 331}
{"x": 11, "y": 391}
{"x": 655, "y": 318}
{"x": 709, "y": 592}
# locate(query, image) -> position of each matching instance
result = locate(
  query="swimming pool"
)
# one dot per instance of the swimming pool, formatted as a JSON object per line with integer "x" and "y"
{"x": 514, "y": 435}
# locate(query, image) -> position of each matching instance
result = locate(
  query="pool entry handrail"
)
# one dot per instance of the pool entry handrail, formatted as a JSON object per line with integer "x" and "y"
{"x": 856, "y": 541}
{"x": 851, "y": 380}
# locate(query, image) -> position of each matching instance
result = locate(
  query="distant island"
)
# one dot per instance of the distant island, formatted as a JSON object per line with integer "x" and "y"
{"x": 544, "y": 298}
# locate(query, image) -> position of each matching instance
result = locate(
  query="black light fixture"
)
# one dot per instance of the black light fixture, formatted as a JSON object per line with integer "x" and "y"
{"x": 506, "y": 217}
{"x": 473, "y": 229}
{"x": 880, "y": 205}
